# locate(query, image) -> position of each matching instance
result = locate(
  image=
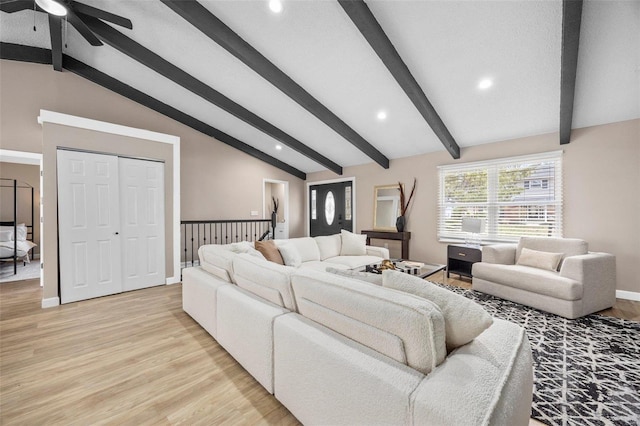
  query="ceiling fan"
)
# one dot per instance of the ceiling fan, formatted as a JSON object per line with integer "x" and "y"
{"x": 70, "y": 10}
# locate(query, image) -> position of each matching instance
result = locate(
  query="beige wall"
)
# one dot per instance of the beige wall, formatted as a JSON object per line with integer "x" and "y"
{"x": 601, "y": 168}
{"x": 25, "y": 173}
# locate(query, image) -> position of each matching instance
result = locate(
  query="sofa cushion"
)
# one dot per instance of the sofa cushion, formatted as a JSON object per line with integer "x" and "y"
{"x": 265, "y": 279}
{"x": 539, "y": 259}
{"x": 530, "y": 279}
{"x": 306, "y": 246}
{"x": 290, "y": 255}
{"x": 353, "y": 244}
{"x": 219, "y": 256}
{"x": 476, "y": 383}
{"x": 329, "y": 245}
{"x": 353, "y": 262}
{"x": 269, "y": 251}
{"x": 216, "y": 271}
{"x": 566, "y": 246}
{"x": 317, "y": 265}
{"x": 362, "y": 276}
{"x": 403, "y": 327}
{"x": 464, "y": 319}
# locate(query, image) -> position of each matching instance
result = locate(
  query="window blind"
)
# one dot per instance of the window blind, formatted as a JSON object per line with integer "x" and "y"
{"x": 514, "y": 197}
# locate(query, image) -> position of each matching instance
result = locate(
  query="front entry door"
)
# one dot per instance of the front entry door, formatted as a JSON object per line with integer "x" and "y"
{"x": 330, "y": 208}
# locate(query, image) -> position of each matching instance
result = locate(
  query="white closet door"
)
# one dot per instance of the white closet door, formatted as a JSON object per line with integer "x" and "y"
{"x": 88, "y": 225}
{"x": 142, "y": 203}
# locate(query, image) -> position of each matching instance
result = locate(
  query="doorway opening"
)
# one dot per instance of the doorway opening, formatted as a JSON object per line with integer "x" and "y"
{"x": 27, "y": 167}
{"x": 275, "y": 206}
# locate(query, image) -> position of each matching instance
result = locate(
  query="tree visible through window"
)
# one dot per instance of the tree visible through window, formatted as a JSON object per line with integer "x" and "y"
{"x": 514, "y": 197}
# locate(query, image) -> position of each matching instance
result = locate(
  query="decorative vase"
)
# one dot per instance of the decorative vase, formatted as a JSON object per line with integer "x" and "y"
{"x": 400, "y": 222}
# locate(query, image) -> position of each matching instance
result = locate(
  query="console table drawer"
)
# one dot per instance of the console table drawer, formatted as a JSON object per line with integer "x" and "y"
{"x": 470, "y": 254}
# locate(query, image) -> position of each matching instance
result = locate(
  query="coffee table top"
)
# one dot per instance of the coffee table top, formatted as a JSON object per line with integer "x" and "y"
{"x": 423, "y": 271}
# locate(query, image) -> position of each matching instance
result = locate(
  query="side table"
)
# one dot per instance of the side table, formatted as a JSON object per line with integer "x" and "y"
{"x": 460, "y": 259}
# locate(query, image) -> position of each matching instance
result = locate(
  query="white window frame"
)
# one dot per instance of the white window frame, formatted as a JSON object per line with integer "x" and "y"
{"x": 490, "y": 228}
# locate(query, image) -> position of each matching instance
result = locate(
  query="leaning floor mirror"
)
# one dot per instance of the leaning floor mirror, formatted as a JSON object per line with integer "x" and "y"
{"x": 386, "y": 207}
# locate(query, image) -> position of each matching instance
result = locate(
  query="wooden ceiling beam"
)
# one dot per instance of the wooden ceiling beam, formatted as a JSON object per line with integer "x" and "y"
{"x": 10, "y": 6}
{"x": 55, "y": 31}
{"x": 165, "y": 68}
{"x": 200, "y": 17}
{"x": 361, "y": 15}
{"x": 43, "y": 56}
{"x": 571, "y": 20}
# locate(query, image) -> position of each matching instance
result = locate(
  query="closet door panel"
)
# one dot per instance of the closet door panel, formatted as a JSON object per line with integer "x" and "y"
{"x": 88, "y": 225}
{"x": 142, "y": 200}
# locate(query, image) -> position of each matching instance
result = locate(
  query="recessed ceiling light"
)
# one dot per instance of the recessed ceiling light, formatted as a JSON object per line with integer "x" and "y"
{"x": 485, "y": 83}
{"x": 275, "y": 6}
{"x": 278, "y": 147}
{"x": 382, "y": 115}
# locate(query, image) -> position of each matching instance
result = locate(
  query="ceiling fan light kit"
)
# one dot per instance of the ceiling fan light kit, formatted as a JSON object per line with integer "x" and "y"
{"x": 53, "y": 7}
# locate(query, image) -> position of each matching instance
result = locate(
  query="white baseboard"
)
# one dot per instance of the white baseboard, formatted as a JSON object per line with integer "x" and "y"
{"x": 629, "y": 295}
{"x": 173, "y": 280}
{"x": 51, "y": 302}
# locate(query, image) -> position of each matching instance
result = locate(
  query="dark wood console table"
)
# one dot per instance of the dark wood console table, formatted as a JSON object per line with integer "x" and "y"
{"x": 390, "y": 235}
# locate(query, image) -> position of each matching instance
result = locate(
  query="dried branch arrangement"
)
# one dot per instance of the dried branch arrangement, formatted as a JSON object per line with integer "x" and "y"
{"x": 405, "y": 206}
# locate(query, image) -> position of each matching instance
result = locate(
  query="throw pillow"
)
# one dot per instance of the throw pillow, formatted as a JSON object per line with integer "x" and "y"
{"x": 245, "y": 247}
{"x": 353, "y": 244}
{"x": 269, "y": 251}
{"x": 539, "y": 259}
{"x": 290, "y": 255}
{"x": 362, "y": 276}
{"x": 464, "y": 319}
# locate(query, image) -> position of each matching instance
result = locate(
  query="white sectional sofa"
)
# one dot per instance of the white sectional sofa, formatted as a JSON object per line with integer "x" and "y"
{"x": 336, "y": 350}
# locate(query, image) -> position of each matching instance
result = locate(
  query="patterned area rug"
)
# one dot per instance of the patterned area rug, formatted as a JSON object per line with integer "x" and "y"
{"x": 586, "y": 371}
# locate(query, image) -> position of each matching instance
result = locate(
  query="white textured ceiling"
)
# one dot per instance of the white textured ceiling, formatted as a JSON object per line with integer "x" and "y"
{"x": 448, "y": 46}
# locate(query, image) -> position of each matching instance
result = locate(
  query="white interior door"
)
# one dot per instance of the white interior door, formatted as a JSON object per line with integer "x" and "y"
{"x": 88, "y": 225}
{"x": 142, "y": 203}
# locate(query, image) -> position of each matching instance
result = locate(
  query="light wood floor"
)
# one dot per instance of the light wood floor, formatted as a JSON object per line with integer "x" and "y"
{"x": 130, "y": 359}
{"x": 134, "y": 358}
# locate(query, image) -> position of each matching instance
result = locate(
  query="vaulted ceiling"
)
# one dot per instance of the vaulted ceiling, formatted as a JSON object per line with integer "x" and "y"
{"x": 329, "y": 68}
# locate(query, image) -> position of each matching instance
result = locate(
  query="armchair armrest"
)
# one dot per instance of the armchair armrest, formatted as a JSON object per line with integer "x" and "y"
{"x": 597, "y": 273}
{"x": 504, "y": 254}
{"x": 378, "y": 251}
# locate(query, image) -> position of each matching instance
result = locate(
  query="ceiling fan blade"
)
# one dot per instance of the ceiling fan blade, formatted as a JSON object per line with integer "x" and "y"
{"x": 101, "y": 14}
{"x": 55, "y": 30}
{"x": 82, "y": 28}
{"x": 11, "y": 6}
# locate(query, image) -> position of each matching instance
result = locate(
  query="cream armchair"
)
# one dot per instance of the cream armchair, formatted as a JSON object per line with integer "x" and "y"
{"x": 582, "y": 283}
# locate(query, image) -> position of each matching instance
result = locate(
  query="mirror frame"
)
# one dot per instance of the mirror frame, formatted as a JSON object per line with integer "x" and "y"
{"x": 375, "y": 207}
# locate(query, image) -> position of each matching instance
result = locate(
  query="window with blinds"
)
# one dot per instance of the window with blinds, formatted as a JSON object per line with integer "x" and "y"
{"x": 513, "y": 197}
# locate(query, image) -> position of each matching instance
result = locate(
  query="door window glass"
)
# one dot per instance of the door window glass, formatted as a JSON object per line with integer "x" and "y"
{"x": 314, "y": 214}
{"x": 347, "y": 203}
{"x": 329, "y": 208}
